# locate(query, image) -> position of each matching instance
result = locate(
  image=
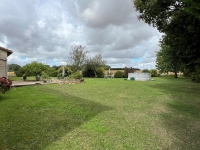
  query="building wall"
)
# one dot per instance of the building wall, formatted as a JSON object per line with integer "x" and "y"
{"x": 114, "y": 71}
{"x": 3, "y": 63}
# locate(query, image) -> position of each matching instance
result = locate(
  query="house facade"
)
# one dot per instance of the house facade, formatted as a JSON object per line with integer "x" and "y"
{"x": 114, "y": 70}
{"x": 4, "y": 53}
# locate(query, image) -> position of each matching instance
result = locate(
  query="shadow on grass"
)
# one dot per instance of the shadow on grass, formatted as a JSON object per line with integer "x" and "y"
{"x": 42, "y": 117}
{"x": 182, "y": 119}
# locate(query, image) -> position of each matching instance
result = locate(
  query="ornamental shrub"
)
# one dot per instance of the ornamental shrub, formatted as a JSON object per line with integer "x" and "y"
{"x": 146, "y": 71}
{"x": 100, "y": 72}
{"x": 153, "y": 73}
{"x": 45, "y": 77}
{"x": 119, "y": 74}
{"x": 5, "y": 84}
{"x": 76, "y": 75}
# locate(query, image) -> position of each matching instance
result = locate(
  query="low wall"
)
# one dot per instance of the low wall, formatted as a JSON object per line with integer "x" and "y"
{"x": 140, "y": 76}
{"x": 11, "y": 74}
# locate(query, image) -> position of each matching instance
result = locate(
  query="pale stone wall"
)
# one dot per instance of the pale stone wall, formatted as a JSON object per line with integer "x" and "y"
{"x": 3, "y": 63}
{"x": 114, "y": 71}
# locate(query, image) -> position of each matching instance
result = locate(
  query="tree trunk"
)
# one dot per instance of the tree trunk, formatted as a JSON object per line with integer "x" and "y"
{"x": 176, "y": 75}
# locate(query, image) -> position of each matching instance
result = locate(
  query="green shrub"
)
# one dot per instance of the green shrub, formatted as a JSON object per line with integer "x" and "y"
{"x": 194, "y": 76}
{"x": 119, "y": 74}
{"x": 76, "y": 75}
{"x": 68, "y": 71}
{"x": 146, "y": 71}
{"x": 52, "y": 72}
{"x": 128, "y": 70}
{"x": 100, "y": 72}
{"x": 45, "y": 76}
{"x": 153, "y": 73}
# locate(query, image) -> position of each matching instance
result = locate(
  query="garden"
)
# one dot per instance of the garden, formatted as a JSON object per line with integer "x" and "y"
{"x": 102, "y": 114}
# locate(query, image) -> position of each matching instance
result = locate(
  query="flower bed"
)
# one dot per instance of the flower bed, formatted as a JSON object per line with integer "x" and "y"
{"x": 5, "y": 84}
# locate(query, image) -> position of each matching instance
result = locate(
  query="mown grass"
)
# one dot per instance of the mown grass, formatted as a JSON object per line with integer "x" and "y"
{"x": 102, "y": 114}
{"x": 15, "y": 78}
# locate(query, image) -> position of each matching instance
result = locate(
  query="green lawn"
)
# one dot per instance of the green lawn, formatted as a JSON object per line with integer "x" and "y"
{"x": 14, "y": 78}
{"x": 102, "y": 114}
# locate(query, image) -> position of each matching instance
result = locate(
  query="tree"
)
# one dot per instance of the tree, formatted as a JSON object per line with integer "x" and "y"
{"x": 179, "y": 20}
{"x": 93, "y": 65}
{"x": 153, "y": 73}
{"x": 77, "y": 57}
{"x": 119, "y": 74}
{"x": 168, "y": 60}
{"x": 13, "y": 67}
{"x": 193, "y": 7}
{"x": 128, "y": 70}
{"x": 33, "y": 69}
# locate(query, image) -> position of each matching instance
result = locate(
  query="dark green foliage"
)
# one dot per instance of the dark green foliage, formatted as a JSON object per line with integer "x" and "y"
{"x": 168, "y": 59}
{"x": 119, "y": 74}
{"x": 128, "y": 70}
{"x": 194, "y": 76}
{"x": 56, "y": 67}
{"x": 145, "y": 71}
{"x": 180, "y": 21}
{"x": 88, "y": 72}
{"x": 153, "y": 73}
{"x": 45, "y": 76}
{"x": 33, "y": 69}
{"x": 52, "y": 72}
{"x": 20, "y": 72}
{"x": 76, "y": 75}
{"x": 100, "y": 72}
{"x": 13, "y": 67}
{"x": 92, "y": 67}
{"x": 68, "y": 71}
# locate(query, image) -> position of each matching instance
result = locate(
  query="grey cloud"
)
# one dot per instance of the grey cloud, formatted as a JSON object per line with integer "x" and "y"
{"x": 45, "y": 30}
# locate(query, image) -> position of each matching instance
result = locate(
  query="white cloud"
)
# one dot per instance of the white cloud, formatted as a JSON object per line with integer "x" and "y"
{"x": 44, "y": 31}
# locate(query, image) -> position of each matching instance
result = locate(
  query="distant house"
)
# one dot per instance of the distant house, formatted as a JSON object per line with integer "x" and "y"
{"x": 4, "y": 53}
{"x": 114, "y": 70}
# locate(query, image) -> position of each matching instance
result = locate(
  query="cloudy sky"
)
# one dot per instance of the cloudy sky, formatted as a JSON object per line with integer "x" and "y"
{"x": 45, "y": 31}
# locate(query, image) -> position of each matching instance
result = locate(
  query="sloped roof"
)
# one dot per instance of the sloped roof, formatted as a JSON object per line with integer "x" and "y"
{"x": 7, "y": 50}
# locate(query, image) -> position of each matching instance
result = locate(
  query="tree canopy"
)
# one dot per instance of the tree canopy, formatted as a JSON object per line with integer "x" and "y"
{"x": 33, "y": 69}
{"x": 77, "y": 57}
{"x": 180, "y": 21}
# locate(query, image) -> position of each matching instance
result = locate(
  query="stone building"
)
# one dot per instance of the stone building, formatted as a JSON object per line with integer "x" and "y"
{"x": 114, "y": 70}
{"x": 4, "y": 53}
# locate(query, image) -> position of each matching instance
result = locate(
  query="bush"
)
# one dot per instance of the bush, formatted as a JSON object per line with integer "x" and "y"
{"x": 119, "y": 74}
{"x": 52, "y": 72}
{"x": 5, "y": 85}
{"x": 100, "y": 72}
{"x": 68, "y": 71}
{"x": 45, "y": 76}
{"x": 76, "y": 75}
{"x": 146, "y": 71}
{"x": 194, "y": 76}
{"x": 153, "y": 73}
{"x": 87, "y": 72}
{"x": 128, "y": 70}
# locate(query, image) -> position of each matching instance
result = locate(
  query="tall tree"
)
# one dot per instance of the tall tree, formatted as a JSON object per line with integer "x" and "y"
{"x": 77, "y": 57}
{"x": 13, "y": 67}
{"x": 33, "y": 69}
{"x": 167, "y": 60}
{"x": 93, "y": 64}
{"x": 180, "y": 21}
